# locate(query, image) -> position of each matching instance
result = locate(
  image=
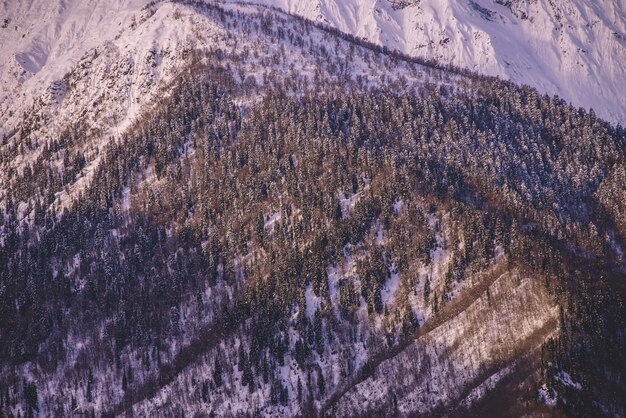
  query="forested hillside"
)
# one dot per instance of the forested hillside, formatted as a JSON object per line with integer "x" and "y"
{"x": 313, "y": 228}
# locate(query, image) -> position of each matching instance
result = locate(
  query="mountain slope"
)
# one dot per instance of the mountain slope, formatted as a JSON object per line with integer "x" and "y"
{"x": 43, "y": 40}
{"x": 574, "y": 48}
{"x": 231, "y": 210}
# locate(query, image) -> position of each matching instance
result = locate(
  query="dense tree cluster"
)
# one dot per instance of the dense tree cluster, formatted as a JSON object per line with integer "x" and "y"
{"x": 256, "y": 202}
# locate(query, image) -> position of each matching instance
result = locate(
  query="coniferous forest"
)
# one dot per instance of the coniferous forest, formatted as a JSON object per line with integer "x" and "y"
{"x": 279, "y": 246}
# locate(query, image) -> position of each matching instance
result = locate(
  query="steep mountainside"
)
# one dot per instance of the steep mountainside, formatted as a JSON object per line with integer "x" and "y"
{"x": 226, "y": 210}
{"x": 573, "y": 48}
{"x": 43, "y": 40}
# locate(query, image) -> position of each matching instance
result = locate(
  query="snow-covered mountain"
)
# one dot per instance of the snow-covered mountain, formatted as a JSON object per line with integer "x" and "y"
{"x": 573, "y": 48}
{"x": 236, "y": 209}
{"x": 41, "y": 41}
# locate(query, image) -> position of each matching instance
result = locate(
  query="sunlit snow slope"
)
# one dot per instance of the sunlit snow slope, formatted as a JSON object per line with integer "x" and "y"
{"x": 42, "y": 40}
{"x": 573, "y": 48}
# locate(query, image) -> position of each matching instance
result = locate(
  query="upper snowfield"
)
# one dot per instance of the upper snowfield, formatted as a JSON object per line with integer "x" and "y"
{"x": 573, "y": 48}
{"x": 42, "y": 40}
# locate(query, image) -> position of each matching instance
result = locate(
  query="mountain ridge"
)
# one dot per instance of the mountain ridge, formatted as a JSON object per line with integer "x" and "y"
{"x": 575, "y": 50}
{"x": 228, "y": 209}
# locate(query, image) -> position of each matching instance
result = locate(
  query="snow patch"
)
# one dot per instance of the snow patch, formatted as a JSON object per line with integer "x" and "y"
{"x": 312, "y": 301}
{"x": 391, "y": 286}
{"x": 398, "y": 205}
{"x": 125, "y": 206}
{"x": 547, "y": 395}
{"x": 567, "y": 380}
{"x": 347, "y": 203}
{"x": 275, "y": 217}
{"x": 498, "y": 252}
